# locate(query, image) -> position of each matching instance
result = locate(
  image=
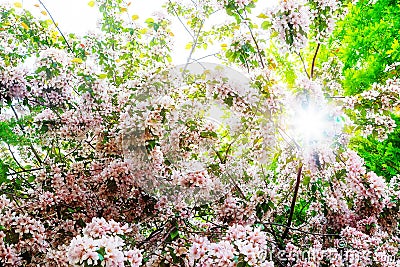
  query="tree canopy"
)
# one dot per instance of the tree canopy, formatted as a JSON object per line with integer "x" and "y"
{"x": 275, "y": 144}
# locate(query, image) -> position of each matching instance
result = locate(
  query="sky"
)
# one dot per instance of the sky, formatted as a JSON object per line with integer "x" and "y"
{"x": 78, "y": 17}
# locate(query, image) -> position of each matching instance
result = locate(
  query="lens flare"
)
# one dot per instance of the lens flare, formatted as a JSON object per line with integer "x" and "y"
{"x": 310, "y": 125}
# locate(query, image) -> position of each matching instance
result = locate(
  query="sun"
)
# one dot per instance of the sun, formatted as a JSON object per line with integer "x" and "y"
{"x": 310, "y": 125}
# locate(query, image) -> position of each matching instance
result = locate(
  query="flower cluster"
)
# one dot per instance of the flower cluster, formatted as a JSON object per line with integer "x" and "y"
{"x": 377, "y": 104}
{"x": 325, "y": 13}
{"x": 238, "y": 3}
{"x": 101, "y": 243}
{"x": 13, "y": 84}
{"x": 28, "y": 235}
{"x": 240, "y": 244}
{"x": 291, "y": 20}
{"x": 52, "y": 81}
{"x": 367, "y": 184}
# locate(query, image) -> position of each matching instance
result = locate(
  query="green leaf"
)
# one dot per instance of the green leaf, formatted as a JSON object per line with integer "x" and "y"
{"x": 101, "y": 257}
{"x": 149, "y": 20}
{"x": 3, "y": 172}
{"x": 31, "y": 178}
{"x": 306, "y": 180}
{"x": 174, "y": 233}
{"x": 206, "y": 134}
{"x": 266, "y": 25}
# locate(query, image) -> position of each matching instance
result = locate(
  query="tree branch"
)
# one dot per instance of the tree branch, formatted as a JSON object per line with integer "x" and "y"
{"x": 193, "y": 47}
{"x": 292, "y": 206}
{"x": 313, "y": 61}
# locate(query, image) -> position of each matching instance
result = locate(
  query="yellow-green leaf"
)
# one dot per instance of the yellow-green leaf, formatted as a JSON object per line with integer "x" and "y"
{"x": 54, "y": 35}
{"x": 77, "y": 60}
{"x": 48, "y": 22}
{"x": 149, "y": 20}
{"x": 394, "y": 47}
{"x": 395, "y": 44}
{"x": 135, "y": 17}
{"x": 102, "y": 76}
{"x": 18, "y": 5}
{"x": 23, "y": 24}
{"x": 188, "y": 46}
{"x": 91, "y": 3}
{"x": 262, "y": 16}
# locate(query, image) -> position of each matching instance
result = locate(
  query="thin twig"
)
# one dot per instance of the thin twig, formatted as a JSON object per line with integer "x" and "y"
{"x": 257, "y": 47}
{"x": 304, "y": 64}
{"x": 335, "y": 97}
{"x": 23, "y": 131}
{"x": 252, "y": 36}
{"x": 301, "y": 231}
{"x": 25, "y": 170}
{"x": 179, "y": 18}
{"x": 237, "y": 187}
{"x": 198, "y": 59}
{"x": 281, "y": 131}
{"x": 52, "y": 19}
{"x": 153, "y": 234}
{"x": 245, "y": 62}
{"x": 13, "y": 156}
